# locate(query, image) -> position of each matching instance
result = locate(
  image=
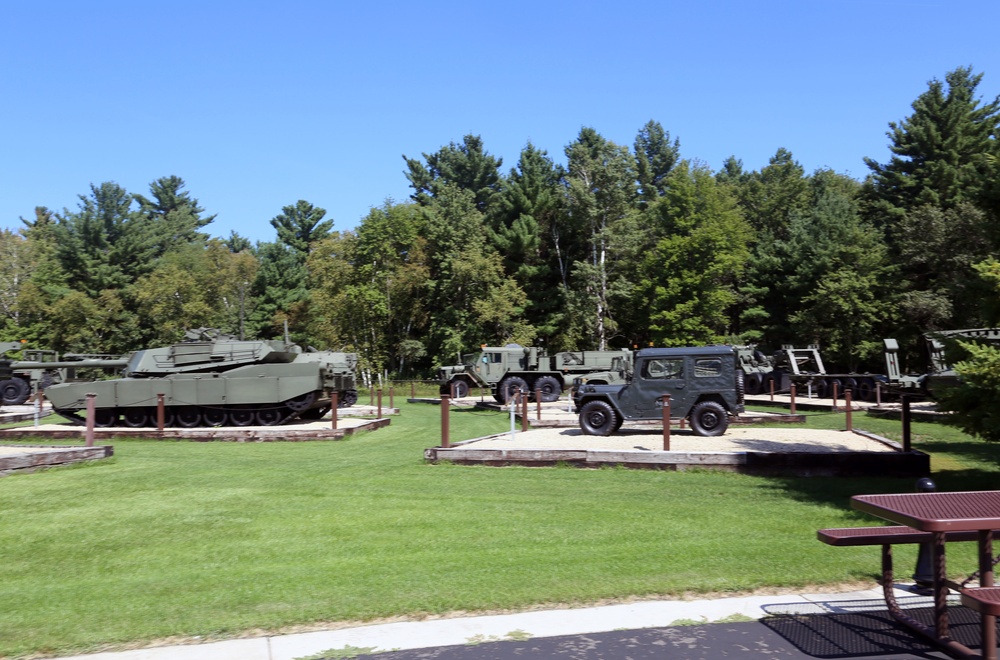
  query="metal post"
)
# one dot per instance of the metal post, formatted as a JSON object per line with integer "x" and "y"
{"x": 445, "y": 435}
{"x": 378, "y": 415}
{"x": 878, "y": 394}
{"x": 512, "y": 402}
{"x": 770, "y": 382}
{"x": 847, "y": 403}
{"x": 90, "y": 419}
{"x": 791, "y": 406}
{"x": 834, "y": 396}
{"x": 666, "y": 422}
{"x": 39, "y": 403}
{"x": 923, "y": 573}
{"x": 160, "y": 413}
{"x": 905, "y": 417}
{"x": 538, "y": 404}
{"x": 333, "y": 410}
{"x": 524, "y": 412}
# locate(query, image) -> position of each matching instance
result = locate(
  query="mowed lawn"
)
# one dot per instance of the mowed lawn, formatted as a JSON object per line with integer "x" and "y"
{"x": 183, "y": 539}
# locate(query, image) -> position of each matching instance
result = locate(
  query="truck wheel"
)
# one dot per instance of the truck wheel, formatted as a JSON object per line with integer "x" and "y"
{"x": 549, "y": 388}
{"x": 830, "y": 383}
{"x": 866, "y": 389}
{"x": 753, "y": 383}
{"x": 14, "y": 391}
{"x": 510, "y": 386}
{"x": 598, "y": 418}
{"x": 460, "y": 389}
{"x": 709, "y": 418}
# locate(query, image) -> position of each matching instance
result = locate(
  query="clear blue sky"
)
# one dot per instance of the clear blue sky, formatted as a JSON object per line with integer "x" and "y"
{"x": 259, "y": 104}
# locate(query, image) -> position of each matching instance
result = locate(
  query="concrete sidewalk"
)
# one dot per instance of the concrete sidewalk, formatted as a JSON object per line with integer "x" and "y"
{"x": 535, "y": 624}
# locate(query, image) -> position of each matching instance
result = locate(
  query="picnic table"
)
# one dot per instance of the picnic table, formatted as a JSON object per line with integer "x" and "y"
{"x": 937, "y": 518}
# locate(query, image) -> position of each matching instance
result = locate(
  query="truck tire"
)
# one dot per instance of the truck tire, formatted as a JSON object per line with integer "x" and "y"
{"x": 866, "y": 389}
{"x": 549, "y": 388}
{"x": 459, "y": 388}
{"x": 14, "y": 391}
{"x": 598, "y": 418}
{"x": 754, "y": 384}
{"x": 509, "y": 386}
{"x": 709, "y": 419}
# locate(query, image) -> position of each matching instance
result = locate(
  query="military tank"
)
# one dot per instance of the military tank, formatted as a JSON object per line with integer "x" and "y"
{"x": 214, "y": 379}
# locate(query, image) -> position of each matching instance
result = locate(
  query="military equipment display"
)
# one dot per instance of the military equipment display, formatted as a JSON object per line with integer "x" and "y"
{"x": 515, "y": 368}
{"x": 213, "y": 379}
{"x": 705, "y": 385}
{"x": 39, "y": 369}
{"x": 804, "y": 367}
{"x": 940, "y": 372}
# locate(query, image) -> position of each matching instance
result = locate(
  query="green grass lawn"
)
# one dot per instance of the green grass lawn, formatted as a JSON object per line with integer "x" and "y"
{"x": 178, "y": 539}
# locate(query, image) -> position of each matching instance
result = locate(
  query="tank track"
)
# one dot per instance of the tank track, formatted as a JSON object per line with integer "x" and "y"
{"x": 284, "y": 414}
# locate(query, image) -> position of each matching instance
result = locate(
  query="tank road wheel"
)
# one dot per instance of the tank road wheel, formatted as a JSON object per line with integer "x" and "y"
{"x": 460, "y": 389}
{"x": 510, "y": 386}
{"x": 169, "y": 417}
{"x": 549, "y": 388}
{"x": 135, "y": 417}
{"x": 105, "y": 417}
{"x": 598, "y": 418}
{"x": 347, "y": 398}
{"x": 215, "y": 416}
{"x": 300, "y": 403}
{"x": 241, "y": 417}
{"x": 270, "y": 416}
{"x": 14, "y": 391}
{"x": 188, "y": 417}
{"x": 709, "y": 418}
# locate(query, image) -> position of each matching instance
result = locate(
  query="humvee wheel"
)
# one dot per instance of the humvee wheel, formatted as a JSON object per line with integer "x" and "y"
{"x": 709, "y": 418}
{"x": 549, "y": 388}
{"x": 598, "y": 418}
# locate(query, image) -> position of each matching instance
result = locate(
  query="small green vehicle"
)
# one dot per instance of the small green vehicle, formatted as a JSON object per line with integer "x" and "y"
{"x": 213, "y": 379}
{"x": 705, "y": 385}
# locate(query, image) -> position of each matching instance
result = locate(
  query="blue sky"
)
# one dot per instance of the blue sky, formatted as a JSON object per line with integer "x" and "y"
{"x": 259, "y": 104}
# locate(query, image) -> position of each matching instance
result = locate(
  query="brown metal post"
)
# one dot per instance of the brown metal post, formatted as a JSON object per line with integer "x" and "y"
{"x": 771, "y": 383}
{"x": 524, "y": 411}
{"x": 378, "y": 415}
{"x": 835, "y": 396}
{"x": 538, "y": 404}
{"x": 791, "y": 406}
{"x": 905, "y": 416}
{"x": 847, "y": 403}
{"x": 333, "y": 410}
{"x": 445, "y": 439}
{"x": 90, "y": 419}
{"x": 666, "y": 422}
{"x": 160, "y": 413}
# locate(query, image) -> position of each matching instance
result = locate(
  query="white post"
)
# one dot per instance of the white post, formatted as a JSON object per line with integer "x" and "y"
{"x": 512, "y": 402}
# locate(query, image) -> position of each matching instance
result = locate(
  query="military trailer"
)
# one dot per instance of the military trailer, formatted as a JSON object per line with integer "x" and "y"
{"x": 213, "y": 379}
{"x": 514, "y": 368}
{"x": 804, "y": 367}
{"x": 705, "y": 385}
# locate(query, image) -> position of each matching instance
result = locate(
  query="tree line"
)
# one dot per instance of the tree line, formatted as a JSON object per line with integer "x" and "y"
{"x": 624, "y": 245}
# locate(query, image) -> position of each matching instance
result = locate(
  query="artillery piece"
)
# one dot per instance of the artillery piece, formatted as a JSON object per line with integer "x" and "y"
{"x": 213, "y": 379}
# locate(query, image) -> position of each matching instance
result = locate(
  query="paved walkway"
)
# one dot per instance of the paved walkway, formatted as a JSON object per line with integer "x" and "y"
{"x": 599, "y": 632}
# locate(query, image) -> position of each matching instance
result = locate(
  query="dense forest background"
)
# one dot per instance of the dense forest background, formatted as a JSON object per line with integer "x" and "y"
{"x": 621, "y": 246}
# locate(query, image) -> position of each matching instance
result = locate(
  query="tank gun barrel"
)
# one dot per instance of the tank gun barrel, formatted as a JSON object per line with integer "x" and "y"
{"x": 28, "y": 365}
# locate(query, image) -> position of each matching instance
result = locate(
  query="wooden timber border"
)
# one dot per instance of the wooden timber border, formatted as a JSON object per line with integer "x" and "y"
{"x": 32, "y": 458}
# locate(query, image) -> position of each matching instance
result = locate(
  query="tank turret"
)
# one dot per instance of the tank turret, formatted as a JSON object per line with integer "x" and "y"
{"x": 214, "y": 379}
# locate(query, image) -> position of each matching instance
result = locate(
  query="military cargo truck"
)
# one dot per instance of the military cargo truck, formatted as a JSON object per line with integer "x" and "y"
{"x": 705, "y": 385}
{"x": 513, "y": 368}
